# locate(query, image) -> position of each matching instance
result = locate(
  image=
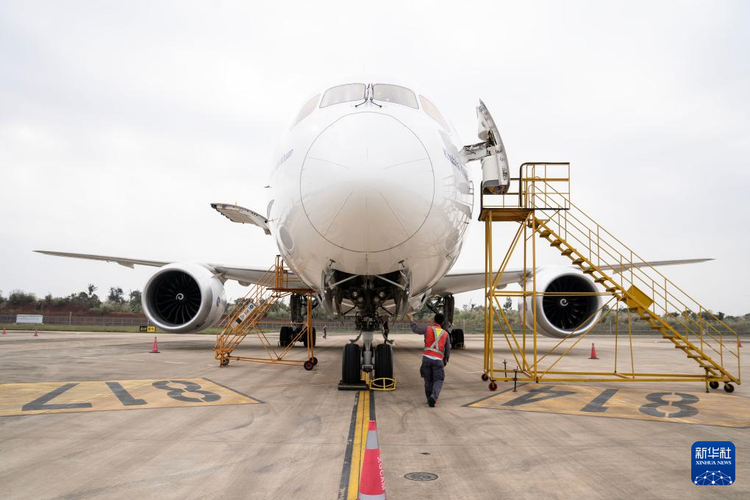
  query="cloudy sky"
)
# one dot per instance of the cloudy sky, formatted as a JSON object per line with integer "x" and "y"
{"x": 120, "y": 122}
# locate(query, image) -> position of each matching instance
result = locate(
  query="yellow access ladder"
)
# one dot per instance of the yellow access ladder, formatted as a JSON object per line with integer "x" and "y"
{"x": 542, "y": 203}
{"x": 247, "y": 314}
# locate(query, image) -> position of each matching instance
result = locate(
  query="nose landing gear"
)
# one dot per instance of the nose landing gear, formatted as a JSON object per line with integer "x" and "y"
{"x": 360, "y": 365}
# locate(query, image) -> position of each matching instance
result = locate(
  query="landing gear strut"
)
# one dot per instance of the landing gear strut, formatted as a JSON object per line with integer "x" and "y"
{"x": 445, "y": 305}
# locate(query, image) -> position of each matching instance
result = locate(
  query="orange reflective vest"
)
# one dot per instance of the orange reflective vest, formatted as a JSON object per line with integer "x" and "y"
{"x": 434, "y": 342}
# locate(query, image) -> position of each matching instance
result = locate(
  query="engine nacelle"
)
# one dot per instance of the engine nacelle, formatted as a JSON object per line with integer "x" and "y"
{"x": 184, "y": 297}
{"x": 564, "y": 316}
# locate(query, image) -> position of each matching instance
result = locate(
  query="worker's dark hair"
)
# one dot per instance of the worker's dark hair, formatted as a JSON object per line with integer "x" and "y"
{"x": 439, "y": 318}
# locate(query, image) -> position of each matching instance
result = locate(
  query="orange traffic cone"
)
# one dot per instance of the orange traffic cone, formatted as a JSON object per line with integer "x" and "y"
{"x": 155, "y": 348}
{"x": 593, "y": 352}
{"x": 36, "y": 333}
{"x": 739, "y": 342}
{"x": 372, "y": 482}
{"x": 3, "y": 331}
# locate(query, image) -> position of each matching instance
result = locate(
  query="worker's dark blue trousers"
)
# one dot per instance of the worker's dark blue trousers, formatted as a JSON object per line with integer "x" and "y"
{"x": 433, "y": 373}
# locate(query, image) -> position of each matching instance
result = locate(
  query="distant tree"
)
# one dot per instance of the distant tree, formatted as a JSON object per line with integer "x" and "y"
{"x": 508, "y": 304}
{"x": 134, "y": 301}
{"x": 92, "y": 288}
{"x": 279, "y": 310}
{"x": 94, "y": 302}
{"x": 19, "y": 298}
{"x": 720, "y": 316}
{"x": 116, "y": 296}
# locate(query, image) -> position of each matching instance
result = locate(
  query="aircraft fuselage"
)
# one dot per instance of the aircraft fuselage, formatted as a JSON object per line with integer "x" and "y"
{"x": 370, "y": 188}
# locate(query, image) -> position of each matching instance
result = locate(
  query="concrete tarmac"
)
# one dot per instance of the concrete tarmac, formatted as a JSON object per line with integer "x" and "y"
{"x": 268, "y": 431}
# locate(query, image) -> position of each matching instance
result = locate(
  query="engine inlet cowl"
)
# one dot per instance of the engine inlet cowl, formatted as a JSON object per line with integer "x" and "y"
{"x": 569, "y": 305}
{"x": 184, "y": 297}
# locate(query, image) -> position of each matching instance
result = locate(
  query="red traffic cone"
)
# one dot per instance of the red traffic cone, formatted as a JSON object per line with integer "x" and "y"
{"x": 593, "y": 352}
{"x": 3, "y": 331}
{"x": 36, "y": 333}
{"x": 739, "y": 342}
{"x": 155, "y": 348}
{"x": 372, "y": 482}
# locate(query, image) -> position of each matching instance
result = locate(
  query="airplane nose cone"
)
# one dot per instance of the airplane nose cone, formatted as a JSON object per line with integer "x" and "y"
{"x": 367, "y": 183}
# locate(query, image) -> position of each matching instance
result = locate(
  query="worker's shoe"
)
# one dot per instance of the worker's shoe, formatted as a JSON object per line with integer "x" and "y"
{"x": 431, "y": 402}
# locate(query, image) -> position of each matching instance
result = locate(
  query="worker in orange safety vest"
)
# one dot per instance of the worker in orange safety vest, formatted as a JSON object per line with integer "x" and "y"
{"x": 437, "y": 350}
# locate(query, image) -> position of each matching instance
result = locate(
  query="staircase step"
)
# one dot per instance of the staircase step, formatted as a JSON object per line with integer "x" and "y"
{"x": 589, "y": 270}
{"x": 556, "y": 243}
{"x": 567, "y": 252}
{"x": 611, "y": 289}
{"x": 539, "y": 223}
{"x": 578, "y": 261}
{"x": 545, "y": 234}
{"x": 601, "y": 280}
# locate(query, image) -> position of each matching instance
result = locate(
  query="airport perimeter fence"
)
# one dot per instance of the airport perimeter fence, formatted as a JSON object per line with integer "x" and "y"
{"x": 81, "y": 320}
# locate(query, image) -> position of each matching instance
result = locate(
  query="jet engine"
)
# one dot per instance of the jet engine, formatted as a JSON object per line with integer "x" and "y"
{"x": 562, "y": 315}
{"x": 184, "y": 297}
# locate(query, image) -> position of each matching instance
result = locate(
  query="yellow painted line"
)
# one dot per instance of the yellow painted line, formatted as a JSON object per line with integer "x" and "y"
{"x": 358, "y": 449}
{"x": 688, "y": 407}
{"x": 70, "y": 397}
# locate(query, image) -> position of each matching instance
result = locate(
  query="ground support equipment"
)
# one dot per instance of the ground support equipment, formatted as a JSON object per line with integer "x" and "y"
{"x": 539, "y": 203}
{"x": 244, "y": 320}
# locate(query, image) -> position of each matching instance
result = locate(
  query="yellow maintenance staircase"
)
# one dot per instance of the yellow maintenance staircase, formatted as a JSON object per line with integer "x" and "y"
{"x": 244, "y": 320}
{"x": 541, "y": 203}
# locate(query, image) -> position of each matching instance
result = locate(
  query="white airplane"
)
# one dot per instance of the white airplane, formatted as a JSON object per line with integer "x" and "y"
{"x": 370, "y": 201}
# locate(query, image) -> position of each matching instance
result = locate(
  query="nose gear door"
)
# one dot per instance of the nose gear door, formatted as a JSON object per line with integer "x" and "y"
{"x": 491, "y": 152}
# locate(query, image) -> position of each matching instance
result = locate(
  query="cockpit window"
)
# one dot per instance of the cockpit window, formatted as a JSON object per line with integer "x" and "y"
{"x": 308, "y": 108}
{"x": 343, "y": 93}
{"x": 395, "y": 94}
{"x": 433, "y": 112}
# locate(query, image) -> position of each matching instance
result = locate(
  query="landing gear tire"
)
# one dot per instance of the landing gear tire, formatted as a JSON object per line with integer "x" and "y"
{"x": 285, "y": 335}
{"x": 485, "y": 377}
{"x": 384, "y": 361}
{"x": 351, "y": 365}
{"x": 309, "y": 365}
{"x": 713, "y": 385}
{"x": 493, "y": 386}
{"x": 314, "y": 338}
{"x": 224, "y": 362}
{"x": 457, "y": 338}
{"x": 729, "y": 388}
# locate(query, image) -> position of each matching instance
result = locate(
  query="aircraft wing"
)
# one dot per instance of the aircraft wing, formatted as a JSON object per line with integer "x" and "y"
{"x": 244, "y": 275}
{"x": 474, "y": 280}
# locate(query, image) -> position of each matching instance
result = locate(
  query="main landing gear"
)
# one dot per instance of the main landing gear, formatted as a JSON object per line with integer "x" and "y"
{"x": 288, "y": 335}
{"x": 445, "y": 305}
